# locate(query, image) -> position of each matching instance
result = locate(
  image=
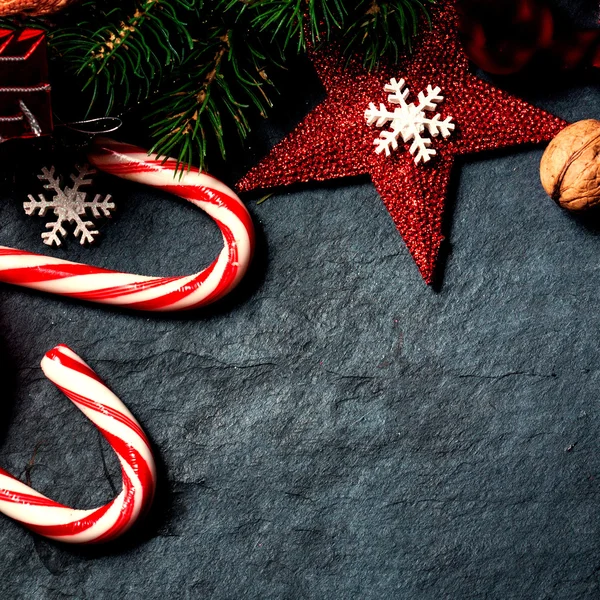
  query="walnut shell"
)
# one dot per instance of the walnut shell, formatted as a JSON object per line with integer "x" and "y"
{"x": 570, "y": 166}
{"x": 31, "y": 8}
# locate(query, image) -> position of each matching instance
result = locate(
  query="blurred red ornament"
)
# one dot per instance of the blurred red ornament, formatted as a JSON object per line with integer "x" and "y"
{"x": 25, "y": 108}
{"x": 505, "y": 36}
{"x": 572, "y": 49}
{"x": 502, "y": 36}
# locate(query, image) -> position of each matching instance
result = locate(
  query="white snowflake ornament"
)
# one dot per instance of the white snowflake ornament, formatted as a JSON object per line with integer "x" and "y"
{"x": 69, "y": 205}
{"x": 409, "y": 121}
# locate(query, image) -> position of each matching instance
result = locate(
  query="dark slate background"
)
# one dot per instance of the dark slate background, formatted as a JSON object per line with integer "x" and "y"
{"x": 336, "y": 429}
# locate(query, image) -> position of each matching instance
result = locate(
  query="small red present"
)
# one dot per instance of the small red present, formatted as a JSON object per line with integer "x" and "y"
{"x": 25, "y": 107}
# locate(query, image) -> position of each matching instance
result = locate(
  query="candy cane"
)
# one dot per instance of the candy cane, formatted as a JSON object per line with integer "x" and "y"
{"x": 49, "y": 518}
{"x": 137, "y": 291}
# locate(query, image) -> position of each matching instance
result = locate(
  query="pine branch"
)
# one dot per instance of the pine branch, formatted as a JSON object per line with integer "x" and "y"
{"x": 230, "y": 61}
{"x": 376, "y": 29}
{"x": 198, "y": 70}
{"x": 230, "y": 82}
{"x": 295, "y": 20}
{"x": 384, "y": 28}
{"x": 123, "y": 52}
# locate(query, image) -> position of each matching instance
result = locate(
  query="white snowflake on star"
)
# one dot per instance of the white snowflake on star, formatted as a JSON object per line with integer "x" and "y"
{"x": 69, "y": 205}
{"x": 408, "y": 121}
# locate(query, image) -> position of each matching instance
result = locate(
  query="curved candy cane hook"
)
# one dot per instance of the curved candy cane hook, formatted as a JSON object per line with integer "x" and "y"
{"x": 137, "y": 291}
{"x": 49, "y": 518}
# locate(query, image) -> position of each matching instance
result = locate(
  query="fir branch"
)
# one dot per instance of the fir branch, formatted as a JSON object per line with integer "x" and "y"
{"x": 384, "y": 28}
{"x": 127, "y": 54}
{"x": 293, "y": 20}
{"x": 200, "y": 69}
{"x": 230, "y": 80}
{"x": 376, "y": 29}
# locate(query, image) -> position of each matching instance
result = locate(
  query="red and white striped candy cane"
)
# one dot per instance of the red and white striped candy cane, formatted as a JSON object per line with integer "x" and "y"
{"x": 53, "y": 520}
{"x": 137, "y": 291}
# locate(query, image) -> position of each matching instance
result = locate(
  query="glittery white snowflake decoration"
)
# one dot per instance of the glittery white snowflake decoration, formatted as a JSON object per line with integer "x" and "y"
{"x": 69, "y": 205}
{"x": 409, "y": 121}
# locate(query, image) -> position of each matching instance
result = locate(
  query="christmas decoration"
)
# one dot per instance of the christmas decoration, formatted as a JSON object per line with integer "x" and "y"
{"x": 335, "y": 141}
{"x": 409, "y": 121}
{"x": 120, "y": 429}
{"x": 31, "y": 7}
{"x": 502, "y": 36}
{"x": 507, "y": 36}
{"x": 193, "y": 76}
{"x": 25, "y": 109}
{"x": 69, "y": 205}
{"x": 570, "y": 166}
{"x": 137, "y": 291}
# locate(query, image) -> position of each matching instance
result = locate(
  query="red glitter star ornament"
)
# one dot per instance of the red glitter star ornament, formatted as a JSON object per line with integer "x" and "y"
{"x": 334, "y": 140}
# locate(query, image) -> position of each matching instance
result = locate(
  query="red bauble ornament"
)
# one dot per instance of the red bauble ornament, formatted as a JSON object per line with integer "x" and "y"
{"x": 506, "y": 36}
{"x": 502, "y": 36}
{"x": 334, "y": 140}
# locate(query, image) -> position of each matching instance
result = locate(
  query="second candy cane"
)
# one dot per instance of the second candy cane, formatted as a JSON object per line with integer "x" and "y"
{"x": 124, "y": 434}
{"x": 143, "y": 292}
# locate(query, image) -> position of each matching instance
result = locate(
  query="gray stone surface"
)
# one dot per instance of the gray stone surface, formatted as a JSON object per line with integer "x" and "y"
{"x": 337, "y": 429}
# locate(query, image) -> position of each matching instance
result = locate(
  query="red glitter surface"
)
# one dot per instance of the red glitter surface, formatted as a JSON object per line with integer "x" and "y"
{"x": 335, "y": 141}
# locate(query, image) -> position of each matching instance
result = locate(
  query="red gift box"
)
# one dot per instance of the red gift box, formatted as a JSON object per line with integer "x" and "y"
{"x": 25, "y": 107}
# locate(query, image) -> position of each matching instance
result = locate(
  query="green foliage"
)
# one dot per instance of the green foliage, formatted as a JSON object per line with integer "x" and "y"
{"x": 215, "y": 88}
{"x": 195, "y": 71}
{"x": 123, "y": 52}
{"x": 384, "y": 28}
{"x": 293, "y": 21}
{"x": 374, "y": 28}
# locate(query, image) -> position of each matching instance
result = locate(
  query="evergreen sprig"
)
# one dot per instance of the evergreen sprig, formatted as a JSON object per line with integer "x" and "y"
{"x": 195, "y": 71}
{"x": 122, "y": 52}
{"x": 383, "y": 28}
{"x": 215, "y": 89}
{"x": 374, "y": 28}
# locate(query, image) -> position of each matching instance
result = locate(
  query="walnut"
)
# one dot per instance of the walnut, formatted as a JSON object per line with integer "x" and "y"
{"x": 31, "y": 7}
{"x": 570, "y": 167}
